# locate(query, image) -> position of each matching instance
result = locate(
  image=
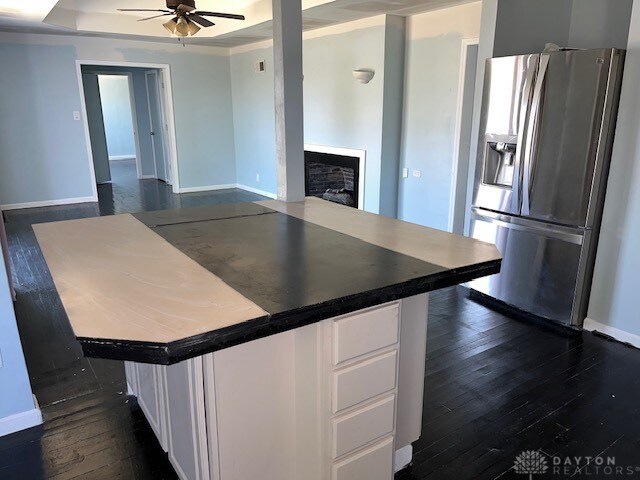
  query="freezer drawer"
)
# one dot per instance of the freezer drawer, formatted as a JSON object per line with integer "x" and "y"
{"x": 541, "y": 267}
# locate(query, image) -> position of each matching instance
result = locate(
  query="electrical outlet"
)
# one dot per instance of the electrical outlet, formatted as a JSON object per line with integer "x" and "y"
{"x": 417, "y": 173}
{"x": 405, "y": 173}
{"x": 258, "y": 177}
{"x": 76, "y": 116}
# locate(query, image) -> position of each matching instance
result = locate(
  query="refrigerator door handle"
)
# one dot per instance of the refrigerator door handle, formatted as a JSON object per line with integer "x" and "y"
{"x": 522, "y": 125}
{"x": 532, "y": 134}
{"x": 566, "y": 234}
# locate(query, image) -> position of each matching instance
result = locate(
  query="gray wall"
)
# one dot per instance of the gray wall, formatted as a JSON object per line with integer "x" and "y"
{"x": 600, "y": 23}
{"x": 614, "y": 293}
{"x": 339, "y": 111}
{"x": 95, "y": 120}
{"x": 525, "y": 26}
{"x": 54, "y": 164}
{"x": 16, "y": 396}
{"x": 432, "y": 78}
{"x": 392, "y": 106}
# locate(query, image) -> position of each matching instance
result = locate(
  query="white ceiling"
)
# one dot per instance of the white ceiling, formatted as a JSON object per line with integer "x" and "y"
{"x": 101, "y": 18}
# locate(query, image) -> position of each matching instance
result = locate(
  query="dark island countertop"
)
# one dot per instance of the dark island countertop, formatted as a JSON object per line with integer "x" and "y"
{"x": 161, "y": 287}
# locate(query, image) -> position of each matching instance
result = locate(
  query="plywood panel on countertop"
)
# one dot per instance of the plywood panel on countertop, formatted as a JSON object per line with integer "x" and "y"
{"x": 117, "y": 279}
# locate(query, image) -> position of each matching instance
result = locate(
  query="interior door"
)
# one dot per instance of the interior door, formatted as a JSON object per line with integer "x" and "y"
{"x": 157, "y": 125}
{"x": 568, "y": 105}
{"x": 95, "y": 120}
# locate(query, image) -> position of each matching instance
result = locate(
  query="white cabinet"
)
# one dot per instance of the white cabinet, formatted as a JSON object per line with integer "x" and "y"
{"x": 172, "y": 399}
{"x": 332, "y": 400}
{"x": 150, "y": 392}
{"x": 186, "y": 423}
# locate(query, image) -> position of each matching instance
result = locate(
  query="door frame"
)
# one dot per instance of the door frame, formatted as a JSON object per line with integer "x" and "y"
{"x": 167, "y": 105}
{"x": 167, "y": 166}
{"x": 454, "y": 209}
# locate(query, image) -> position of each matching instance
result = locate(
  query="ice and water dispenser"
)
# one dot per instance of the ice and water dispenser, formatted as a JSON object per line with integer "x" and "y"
{"x": 499, "y": 160}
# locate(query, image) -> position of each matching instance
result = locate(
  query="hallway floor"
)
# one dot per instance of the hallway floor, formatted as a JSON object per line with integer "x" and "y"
{"x": 494, "y": 386}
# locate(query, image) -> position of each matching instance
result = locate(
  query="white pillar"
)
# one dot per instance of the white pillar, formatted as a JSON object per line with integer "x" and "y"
{"x": 287, "y": 53}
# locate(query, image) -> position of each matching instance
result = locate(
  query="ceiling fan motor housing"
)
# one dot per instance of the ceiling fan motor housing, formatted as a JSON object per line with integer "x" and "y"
{"x": 173, "y": 4}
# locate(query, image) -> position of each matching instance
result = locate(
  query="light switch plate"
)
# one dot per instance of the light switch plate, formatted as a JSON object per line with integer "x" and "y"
{"x": 76, "y": 116}
{"x": 405, "y": 173}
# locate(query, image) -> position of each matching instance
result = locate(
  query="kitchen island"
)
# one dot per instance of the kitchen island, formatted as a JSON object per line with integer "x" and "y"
{"x": 264, "y": 340}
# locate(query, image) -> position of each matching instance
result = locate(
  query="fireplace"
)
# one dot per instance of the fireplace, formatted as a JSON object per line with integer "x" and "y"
{"x": 333, "y": 177}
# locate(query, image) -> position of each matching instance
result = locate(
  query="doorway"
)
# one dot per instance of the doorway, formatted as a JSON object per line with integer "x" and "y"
{"x": 130, "y": 129}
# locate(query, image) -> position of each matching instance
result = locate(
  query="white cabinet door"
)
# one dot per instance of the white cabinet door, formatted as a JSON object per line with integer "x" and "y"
{"x": 151, "y": 398}
{"x": 131, "y": 373}
{"x": 186, "y": 419}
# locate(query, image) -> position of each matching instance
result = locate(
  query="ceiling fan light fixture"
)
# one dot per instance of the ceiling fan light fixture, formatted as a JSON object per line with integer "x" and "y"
{"x": 193, "y": 28}
{"x": 182, "y": 27}
{"x": 171, "y": 26}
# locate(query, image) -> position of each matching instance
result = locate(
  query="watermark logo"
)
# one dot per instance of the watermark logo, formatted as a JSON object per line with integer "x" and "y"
{"x": 534, "y": 462}
{"x": 531, "y": 463}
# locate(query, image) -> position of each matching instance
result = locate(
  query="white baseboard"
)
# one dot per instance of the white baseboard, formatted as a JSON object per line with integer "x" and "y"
{"x": 49, "y": 203}
{"x": 620, "y": 335}
{"x": 115, "y": 158}
{"x": 403, "y": 458}
{"x": 264, "y": 193}
{"x": 207, "y": 188}
{"x": 20, "y": 421}
{"x": 145, "y": 177}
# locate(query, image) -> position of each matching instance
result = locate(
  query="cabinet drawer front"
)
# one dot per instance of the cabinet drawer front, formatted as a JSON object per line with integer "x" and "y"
{"x": 363, "y": 381}
{"x": 364, "y": 333}
{"x": 363, "y": 426}
{"x": 374, "y": 463}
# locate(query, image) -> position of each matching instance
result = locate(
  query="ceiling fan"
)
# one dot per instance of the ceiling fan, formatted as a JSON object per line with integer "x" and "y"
{"x": 186, "y": 17}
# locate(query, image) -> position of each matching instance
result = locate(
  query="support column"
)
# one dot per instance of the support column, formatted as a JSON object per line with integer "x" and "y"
{"x": 287, "y": 53}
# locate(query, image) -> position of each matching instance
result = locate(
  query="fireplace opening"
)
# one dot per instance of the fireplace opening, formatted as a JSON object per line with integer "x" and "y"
{"x": 332, "y": 177}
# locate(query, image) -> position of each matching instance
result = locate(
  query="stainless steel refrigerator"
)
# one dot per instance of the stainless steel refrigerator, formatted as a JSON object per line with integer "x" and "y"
{"x": 546, "y": 132}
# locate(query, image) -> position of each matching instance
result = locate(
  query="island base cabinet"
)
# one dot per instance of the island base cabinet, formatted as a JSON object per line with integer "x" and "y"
{"x": 335, "y": 400}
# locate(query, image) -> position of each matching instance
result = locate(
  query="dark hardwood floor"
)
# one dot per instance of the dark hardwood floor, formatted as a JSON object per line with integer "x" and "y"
{"x": 494, "y": 386}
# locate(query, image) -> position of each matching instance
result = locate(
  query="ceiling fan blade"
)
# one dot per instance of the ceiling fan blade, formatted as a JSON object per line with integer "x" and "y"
{"x": 143, "y": 10}
{"x": 199, "y": 20}
{"x": 221, "y": 15}
{"x": 155, "y": 16}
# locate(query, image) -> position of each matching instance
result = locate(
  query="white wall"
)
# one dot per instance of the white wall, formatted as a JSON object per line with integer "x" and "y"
{"x": 614, "y": 293}
{"x": 434, "y": 46}
{"x": 118, "y": 118}
{"x": 43, "y": 70}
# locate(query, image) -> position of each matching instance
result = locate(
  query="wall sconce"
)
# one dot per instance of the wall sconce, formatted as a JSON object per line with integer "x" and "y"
{"x": 364, "y": 75}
